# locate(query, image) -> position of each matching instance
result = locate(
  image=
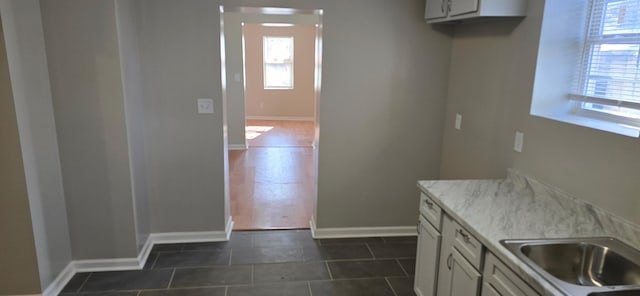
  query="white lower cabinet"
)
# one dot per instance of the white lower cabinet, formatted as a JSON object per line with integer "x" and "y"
{"x": 450, "y": 259}
{"x": 459, "y": 277}
{"x": 426, "y": 259}
{"x": 501, "y": 281}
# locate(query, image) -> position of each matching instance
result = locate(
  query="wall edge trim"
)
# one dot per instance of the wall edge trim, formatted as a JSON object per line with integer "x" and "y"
{"x": 349, "y": 232}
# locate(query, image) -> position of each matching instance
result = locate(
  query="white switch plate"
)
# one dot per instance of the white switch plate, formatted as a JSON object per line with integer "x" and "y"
{"x": 205, "y": 106}
{"x": 237, "y": 77}
{"x": 519, "y": 141}
{"x": 458, "y": 124}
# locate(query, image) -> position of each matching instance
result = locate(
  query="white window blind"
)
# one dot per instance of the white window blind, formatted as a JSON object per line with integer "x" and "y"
{"x": 608, "y": 78}
{"x": 278, "y": 62}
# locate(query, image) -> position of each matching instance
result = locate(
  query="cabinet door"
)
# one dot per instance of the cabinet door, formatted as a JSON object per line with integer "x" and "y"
{"x": 435, "y": 9}
{"x": 459, "y": 7}
{"x": 488, "y": 290}
{"x": 465, "y": 279}
{"x": 427, "y": 259}
{"x": 503, "y": 280}
{"x": 444, "y": 272}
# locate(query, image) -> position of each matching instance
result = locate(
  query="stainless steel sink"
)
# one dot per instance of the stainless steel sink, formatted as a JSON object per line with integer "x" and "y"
{"x": 583, "y": 266}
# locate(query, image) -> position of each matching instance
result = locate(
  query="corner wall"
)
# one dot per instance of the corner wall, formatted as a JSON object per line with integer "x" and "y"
{"x": 38, "y": 140}
{"x": 19, "y": 273}
{"x": 86, "y": 81}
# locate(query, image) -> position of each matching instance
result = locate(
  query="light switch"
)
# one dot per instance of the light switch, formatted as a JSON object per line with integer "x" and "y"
{"x": 237, "y": 77}
{"x": 458, "y": 124}
{"x": 519, "y": 141}
{"x": 205, "y": 106}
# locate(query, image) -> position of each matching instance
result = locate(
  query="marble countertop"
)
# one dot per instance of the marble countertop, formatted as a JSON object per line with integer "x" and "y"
{"x": 519, "y": 207}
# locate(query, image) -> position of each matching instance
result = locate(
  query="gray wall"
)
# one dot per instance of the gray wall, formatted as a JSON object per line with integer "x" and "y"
{"x": 180, "y": 55}
{"x": 84, "y": 67}
{"x": 19, "y": 272}
{"x": 34, "y": 111}
{"x": 128, "y": 17}
{"x": 491, "y": 82}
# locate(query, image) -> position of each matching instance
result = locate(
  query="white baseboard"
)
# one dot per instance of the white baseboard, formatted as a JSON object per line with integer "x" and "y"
{"x": 60, "y": 281}
{"x": 238, "y": 146}
{"x": 119, "y": 264}
{"x": 347, "y": 232}
{"x": 284, "y": 118}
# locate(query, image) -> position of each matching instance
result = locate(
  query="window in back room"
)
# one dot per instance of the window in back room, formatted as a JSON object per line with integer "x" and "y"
{"x": 278, "y": 62}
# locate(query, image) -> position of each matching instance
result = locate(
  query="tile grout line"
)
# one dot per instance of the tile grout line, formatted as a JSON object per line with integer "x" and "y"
{"x": 370, "y": 251}
{"x": 386, "y": 279}
{"x": 326, "y": 263}
{"x": 402, "y": 267}
{"x": 84, "y": 282}
{"x": 309, "y": 286}
{"x": 171, "y": 279}
{"x": 155, "y": 260}
{"x": 252, "y": 272}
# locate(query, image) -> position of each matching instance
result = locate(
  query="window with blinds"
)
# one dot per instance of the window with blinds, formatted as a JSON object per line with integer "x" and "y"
{"x": 608, "y": 79}
{"x": 278, "y": 62}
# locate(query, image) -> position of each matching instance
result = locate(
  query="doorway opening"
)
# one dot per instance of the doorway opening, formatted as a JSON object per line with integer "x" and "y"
{"x": 276, "y": 72}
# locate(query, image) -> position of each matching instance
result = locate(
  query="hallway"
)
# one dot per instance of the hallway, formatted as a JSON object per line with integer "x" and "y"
{"x": 271, "y": 183}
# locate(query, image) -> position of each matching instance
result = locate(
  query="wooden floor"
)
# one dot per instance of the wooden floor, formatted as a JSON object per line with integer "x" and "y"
{"x": 271, "y": 183}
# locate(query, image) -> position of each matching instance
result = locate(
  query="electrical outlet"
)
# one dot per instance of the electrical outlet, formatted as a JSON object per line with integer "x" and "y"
{"x": 519, "y": 141}
{"x": 458, "y": 124}
{"x": 205, "y": 106}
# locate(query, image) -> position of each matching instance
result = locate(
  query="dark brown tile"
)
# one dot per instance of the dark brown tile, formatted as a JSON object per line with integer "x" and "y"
{"x": 167, "y": 248}
{"x": 215, "y": 291}
{"x": 409, "y": 265}
{"x": 393, "y": 250}
{"x": 212, "y": 276}
{"x": 236, "y": 241}
{"x": 348, "y": 241}
{"x": 362, "y": 287}
{"x": 192, "y": 259}
{"x": 128, "y": 293}
{"x": 402, "y": 286}
{"x": 401, "y": 239}
{"x": 76, "y": 282}
{"x": 286, "y": 272}
{"x": 364, "y": 269}
{"x": 283, "y": 238}
{"x": 333, "y": 252}
{"x": 279, "y": 289}
{"x": 266, "y": 255}
{"x": 127, "y": 280}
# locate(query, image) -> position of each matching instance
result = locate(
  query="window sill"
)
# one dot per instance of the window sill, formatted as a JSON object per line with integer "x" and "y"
{"x": 593, "y": 123}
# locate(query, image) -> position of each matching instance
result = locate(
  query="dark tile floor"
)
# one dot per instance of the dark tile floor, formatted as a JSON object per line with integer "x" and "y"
{"x": 264, "y": 263}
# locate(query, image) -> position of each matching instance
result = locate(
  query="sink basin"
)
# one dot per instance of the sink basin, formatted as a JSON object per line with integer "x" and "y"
{"x": 584, "y": 266}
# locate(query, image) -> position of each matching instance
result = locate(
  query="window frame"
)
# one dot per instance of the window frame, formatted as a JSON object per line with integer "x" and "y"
{"x": 290, "y": 63}
{"x": 594, "y": 37}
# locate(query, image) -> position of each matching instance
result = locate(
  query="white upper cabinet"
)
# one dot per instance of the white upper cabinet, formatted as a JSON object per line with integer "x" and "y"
{"x": 437, "y": 11}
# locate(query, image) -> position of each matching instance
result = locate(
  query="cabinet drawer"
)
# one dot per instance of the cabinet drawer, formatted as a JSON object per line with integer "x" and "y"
{"x": 503, "y": 280}
{"x": 431, "y": 210}
{"x": 467, "y": 245}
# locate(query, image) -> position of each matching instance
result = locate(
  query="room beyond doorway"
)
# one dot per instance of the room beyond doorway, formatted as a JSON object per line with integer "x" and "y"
{"x": 272, "y": 182}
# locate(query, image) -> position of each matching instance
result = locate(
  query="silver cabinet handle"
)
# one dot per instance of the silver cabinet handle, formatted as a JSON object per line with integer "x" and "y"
{"x": 442, "y": 6}
{"x": 449, "y": 261}
{"x": 465, "y": 236}
{"x": 418, "y": 227}
{"x": 429, "y": 204}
